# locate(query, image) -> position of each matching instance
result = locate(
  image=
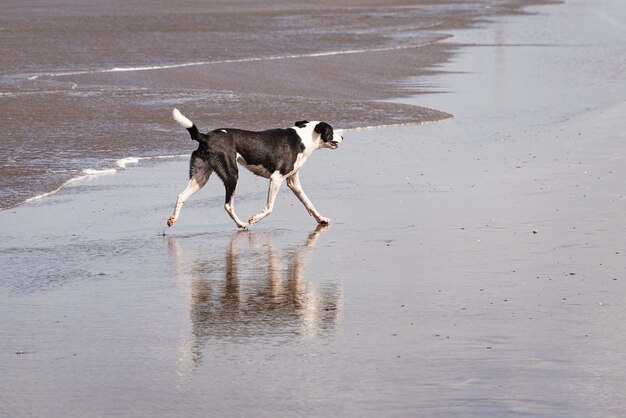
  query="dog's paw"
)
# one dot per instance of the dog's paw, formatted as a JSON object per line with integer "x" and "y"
{"x": 244, "y": 226}
{"x": 323, "y": 221}
{"x": 255, "y": 218}
{"x": 171, "y": 221}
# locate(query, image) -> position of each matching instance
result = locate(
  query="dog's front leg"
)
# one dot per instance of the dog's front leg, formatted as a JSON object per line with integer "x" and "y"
{"x": 294, "y": 184}
{"x": 276, "y": 180}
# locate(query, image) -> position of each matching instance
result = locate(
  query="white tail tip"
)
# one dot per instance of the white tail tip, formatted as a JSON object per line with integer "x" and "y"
{"x": 178, "y": 117}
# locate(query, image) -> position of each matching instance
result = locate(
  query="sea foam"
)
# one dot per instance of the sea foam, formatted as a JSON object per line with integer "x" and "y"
{"x": 91, "y": 172}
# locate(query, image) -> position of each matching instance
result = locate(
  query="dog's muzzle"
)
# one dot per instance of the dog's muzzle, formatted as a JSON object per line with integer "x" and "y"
{"x": 334, "y": 144}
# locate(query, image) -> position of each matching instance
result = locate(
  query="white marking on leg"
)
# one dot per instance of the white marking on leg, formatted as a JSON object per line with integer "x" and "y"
{"x": 229, "y": 206}
{"x": 230, "y": 209}
{"x": 294, "y": 184}
{"x": 276, "y": 180}
{"x": 192, "y": 187}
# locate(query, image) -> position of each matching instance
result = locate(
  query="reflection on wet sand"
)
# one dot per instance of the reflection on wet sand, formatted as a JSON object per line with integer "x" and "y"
{"x": 253, "y": 291}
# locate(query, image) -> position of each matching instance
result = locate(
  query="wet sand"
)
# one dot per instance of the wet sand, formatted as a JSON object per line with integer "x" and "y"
{"x": 83, "y": 85}
{"x": 474, "y": 267}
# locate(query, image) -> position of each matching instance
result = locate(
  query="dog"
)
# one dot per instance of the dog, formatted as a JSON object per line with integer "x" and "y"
{"x": 275, "y": 154}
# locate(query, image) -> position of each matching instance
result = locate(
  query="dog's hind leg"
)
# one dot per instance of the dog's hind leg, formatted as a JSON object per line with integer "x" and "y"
{"x": 227, "y": 170}
{"x": 294, "y": 184}
{"x": 229, "y": 204}
{"x": 276, "y": 180}
{"x": 199, "y": 173}
{"x": 230, "y": 207}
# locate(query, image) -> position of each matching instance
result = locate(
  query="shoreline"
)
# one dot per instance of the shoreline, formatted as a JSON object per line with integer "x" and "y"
{"x": 89, "y": 173}
{"x": 121, "y": 164}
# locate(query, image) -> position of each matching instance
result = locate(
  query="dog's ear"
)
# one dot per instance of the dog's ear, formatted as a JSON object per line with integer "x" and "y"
{"x": 301, "y": 123}
{"x": 325, "y": 130}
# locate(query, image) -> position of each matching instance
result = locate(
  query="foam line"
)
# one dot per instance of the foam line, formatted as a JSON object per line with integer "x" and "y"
{"x": 251, "y": 59}
{"x": 90, "y": 172}
{"x": 391, "y": 125}
{"x": 43, "y": 195}
{"x": 125, "y": 161}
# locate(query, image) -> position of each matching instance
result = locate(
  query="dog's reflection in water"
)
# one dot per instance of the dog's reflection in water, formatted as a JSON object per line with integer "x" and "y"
{"x": 255, "y": 292}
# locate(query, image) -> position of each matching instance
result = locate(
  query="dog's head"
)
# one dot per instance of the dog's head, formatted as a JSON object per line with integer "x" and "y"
{"x": 330, "y": 139}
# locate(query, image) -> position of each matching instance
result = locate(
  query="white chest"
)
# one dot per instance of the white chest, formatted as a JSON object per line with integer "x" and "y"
{"x": 300, "y": 160}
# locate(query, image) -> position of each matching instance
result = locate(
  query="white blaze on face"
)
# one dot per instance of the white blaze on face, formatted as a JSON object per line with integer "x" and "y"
{"x": 338, "y": 136}
{"x": 337, "y": 139}
{"x": 310, "y": 139}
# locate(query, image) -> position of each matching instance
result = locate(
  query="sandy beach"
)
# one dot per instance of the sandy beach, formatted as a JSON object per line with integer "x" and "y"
{"x": 474, "y": 266}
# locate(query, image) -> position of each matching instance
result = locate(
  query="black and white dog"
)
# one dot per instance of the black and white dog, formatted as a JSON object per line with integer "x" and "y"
{"x": 276, "y": 154}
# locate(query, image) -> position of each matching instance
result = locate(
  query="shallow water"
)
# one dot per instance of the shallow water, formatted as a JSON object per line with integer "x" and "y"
{"x": 84, "y": 84}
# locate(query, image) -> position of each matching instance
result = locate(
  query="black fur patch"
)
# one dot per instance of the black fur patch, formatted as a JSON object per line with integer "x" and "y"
{"x": 301, "y": 123}
{"x": 274, "y": 150}
{"x": 325, "y": 130}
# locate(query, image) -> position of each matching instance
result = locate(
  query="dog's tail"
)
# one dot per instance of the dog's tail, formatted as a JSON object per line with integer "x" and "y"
{"x": 187, "y": 124}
